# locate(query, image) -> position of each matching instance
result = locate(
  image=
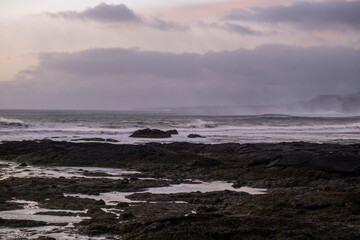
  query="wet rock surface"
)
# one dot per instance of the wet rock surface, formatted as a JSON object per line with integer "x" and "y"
{"x": 13, "y": 223}
{"x": 151, "y": 133}
{"x": 313, "y": 189}
{"x": 94, "y": 140}
{"x": 193, "y": 135}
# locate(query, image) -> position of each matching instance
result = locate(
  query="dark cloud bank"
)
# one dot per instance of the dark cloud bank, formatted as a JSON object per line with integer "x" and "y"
{"x": 307, "y": 15}
{"x": 125, "y": 78}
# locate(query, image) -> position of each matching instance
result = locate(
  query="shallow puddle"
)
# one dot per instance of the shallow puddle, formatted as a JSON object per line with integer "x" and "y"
{"x": 32, "y": 212}
{"x": 112, "y": 198}
{"x": 10, "y": 169}
{"x": 204, "y": 187}
{"x": 46, "y": 231}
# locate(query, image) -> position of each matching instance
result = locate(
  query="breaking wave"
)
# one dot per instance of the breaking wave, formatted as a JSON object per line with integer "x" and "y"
{"x": 8, "y": 122}
{"x": 199, "y": 123}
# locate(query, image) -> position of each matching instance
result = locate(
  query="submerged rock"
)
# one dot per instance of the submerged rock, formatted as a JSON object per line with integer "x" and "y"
{"x": 95, "y": 140}
{"x": 195, "y": 136}
{"x": 90, "y": 139}
{"x": 150, "y": 133}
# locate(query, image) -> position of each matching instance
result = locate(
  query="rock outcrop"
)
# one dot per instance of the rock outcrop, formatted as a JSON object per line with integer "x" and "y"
{"x": 150, "y": 133}
{"x": 192, "y": 135}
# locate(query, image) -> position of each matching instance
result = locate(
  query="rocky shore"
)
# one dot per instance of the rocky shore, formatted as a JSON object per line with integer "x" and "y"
{"x": 313, "y": 190}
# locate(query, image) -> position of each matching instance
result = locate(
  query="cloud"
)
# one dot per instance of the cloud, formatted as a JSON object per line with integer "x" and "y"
{"x": 307, "y": 15}
{"x": 167, "y": 25}
{"x": 115, "y": 14}
{"x": 102, "y": 12}
{"x": 231, "y": 28}
{"x": 236, "y": 28}
{"x": 121, "y": 78}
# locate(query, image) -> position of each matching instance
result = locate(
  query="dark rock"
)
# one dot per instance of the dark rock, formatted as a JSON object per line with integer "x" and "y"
{"x": 172, "y": 132}
{"x": 100, "y": 202}
{"x": 90, "y": 139}
{"x": 22, "y": 165}
{"x": 126, "y": 215}
{"x": 150, "y": 133}
{"x": 12, "y": 223}
{"x": 207, "y": 209}
{"x": 340, "y": 161}
{"x": 122, "y": 205}
{"x": 195, "y": 136}
{"x": 57, "y": 213}
{"x": 45, "y": 238}
{"x": 125, "y": 181}
{"x": 96, "y": 174}
{"x": 100, "y": 222}
{"x": 313, "y": 189}
{"x": 111, "y": 140}
{"x": 71, "y": 203}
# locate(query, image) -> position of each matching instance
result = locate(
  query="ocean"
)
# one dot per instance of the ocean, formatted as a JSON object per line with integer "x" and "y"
{"x": 58, "y": 125}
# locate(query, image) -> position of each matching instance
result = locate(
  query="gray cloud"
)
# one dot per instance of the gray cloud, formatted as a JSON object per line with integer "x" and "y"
{"x": 122, "y": 78}
{"x": 308, "y": 15}
{"x": 231, "y": 28}
{"x": 166, "y": 25}
{"x": 118, "y": 14}
{"x": 236, "y": 28}
{"x": 102, "y": 12}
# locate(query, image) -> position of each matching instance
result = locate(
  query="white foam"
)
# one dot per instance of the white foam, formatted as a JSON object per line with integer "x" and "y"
{"x": 10, "y": 121}
{"x": 199, "y": 123}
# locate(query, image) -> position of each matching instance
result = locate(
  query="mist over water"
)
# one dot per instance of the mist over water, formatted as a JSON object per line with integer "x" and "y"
{"x": 73, "y": 125}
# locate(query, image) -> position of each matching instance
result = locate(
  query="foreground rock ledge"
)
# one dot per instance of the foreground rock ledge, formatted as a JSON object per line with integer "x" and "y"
{"x": 314, "y": 190}
{"x": 328, "y": 157}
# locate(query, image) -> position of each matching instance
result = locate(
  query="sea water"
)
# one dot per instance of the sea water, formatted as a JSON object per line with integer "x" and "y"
{"x": 118, "y": 125}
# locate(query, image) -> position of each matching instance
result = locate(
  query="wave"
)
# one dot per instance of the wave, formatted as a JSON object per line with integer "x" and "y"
{"x": 199, "y": 123}
{"x": 8, "y": 122}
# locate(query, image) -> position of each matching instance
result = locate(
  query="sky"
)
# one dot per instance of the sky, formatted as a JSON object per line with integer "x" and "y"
{"x": 90, "y": 54}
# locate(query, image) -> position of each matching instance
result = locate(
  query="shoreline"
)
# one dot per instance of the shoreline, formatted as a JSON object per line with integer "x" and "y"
{"x": 312, "y": 189}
